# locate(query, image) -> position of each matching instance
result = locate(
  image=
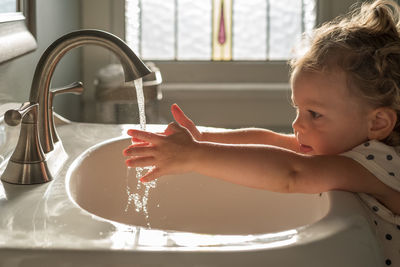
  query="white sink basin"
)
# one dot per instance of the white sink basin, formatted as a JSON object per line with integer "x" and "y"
{"x": 187, "y": 202}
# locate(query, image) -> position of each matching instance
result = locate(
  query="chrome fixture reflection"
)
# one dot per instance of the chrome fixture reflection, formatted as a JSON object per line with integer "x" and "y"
{"x": 39, "y": 152}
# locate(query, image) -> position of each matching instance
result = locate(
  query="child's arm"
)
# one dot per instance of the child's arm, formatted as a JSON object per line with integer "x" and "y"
{"x": 259, "y": 166}
{"x": 253, "y": 136}
{"x": 239, "y": 136}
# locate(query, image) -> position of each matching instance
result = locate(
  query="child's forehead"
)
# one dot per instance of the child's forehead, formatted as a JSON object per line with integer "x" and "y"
{"x": 309, "y": 100}
{"x": 327, "y": 73}
{"x": 319, "y": 87}
{"x": 324, "y": 80}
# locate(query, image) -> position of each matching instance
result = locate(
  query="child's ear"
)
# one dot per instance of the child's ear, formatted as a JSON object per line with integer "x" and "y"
{"x": 381, "y": 123}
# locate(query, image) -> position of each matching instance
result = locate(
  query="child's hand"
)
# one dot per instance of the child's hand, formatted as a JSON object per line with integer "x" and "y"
{"x": 170, "y": 153}
{"x": 183, "y": 120}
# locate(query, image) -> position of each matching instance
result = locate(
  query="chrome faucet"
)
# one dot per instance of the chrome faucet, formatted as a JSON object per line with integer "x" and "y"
{"x": 37, "y": 154}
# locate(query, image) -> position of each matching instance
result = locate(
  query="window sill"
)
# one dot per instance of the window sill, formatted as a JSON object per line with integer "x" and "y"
{"x": 205, "y": 90}
{"x": 231, "y": 105}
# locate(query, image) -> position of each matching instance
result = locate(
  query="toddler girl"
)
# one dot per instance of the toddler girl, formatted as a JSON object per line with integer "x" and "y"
{"x": 346, "y": 134}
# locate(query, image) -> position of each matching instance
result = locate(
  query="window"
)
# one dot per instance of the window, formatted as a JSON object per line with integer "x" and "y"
{"x": 217, "y": 30}
{"x": 8, "y": 6}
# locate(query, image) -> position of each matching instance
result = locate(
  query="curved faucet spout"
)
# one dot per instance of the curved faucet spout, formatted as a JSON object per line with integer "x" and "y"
{"x": 133, "y": 67}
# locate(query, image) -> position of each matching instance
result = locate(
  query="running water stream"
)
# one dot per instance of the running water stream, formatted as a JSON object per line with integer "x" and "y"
{"x": 139, "y": 196}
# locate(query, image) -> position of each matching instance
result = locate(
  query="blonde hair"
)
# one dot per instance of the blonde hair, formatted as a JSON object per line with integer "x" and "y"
{"x": 365, "y": 44}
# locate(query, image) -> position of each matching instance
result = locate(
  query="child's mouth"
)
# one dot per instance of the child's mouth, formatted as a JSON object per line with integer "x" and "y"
{"x": 305, "y": 148}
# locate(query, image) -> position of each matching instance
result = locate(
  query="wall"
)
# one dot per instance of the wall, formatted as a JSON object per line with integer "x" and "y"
{"x": 53, "y": 19}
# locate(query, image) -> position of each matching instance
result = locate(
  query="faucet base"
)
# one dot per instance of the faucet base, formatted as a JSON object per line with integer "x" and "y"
{"x": 36, "y": 172}
{"x": 26, "y": 173}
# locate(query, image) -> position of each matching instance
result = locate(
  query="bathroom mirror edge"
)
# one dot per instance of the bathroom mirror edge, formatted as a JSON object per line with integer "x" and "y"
{"x": 17, "y": 31}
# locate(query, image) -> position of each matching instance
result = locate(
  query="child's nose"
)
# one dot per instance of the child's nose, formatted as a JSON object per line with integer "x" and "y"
{"x": 298, "y": 124}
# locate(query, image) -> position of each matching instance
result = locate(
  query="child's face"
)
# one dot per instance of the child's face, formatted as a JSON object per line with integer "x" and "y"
{"x": 329, "y": 119}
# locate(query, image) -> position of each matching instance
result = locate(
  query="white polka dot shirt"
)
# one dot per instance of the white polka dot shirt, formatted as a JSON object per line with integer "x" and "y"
{"x": 384, "y": 162}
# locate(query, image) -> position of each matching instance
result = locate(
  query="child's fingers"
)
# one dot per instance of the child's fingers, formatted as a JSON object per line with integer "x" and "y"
{"x": 151, "y": 175}
{"x": 140, "y": 161}
{"x": 140, "y": 144}
{"x": 168, "y": 131}
{"x": 135, "y": 140}
{"x": 144, "y": 136}
{"x": 174, "y": 127}
{"x": 138, "y": 150}
{"x": 179, "y": 116}
{"x": 183, "y": 120}
{"x": 129, "y": 150}
{"x": 176, "y": 110}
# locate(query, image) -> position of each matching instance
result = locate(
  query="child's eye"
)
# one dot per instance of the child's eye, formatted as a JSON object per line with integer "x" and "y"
{"x": 314, "y": 115}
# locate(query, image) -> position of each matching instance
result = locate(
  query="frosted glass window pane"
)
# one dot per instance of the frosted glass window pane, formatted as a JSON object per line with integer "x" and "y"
{"x": 194, "y": 30}
{"x": 7, "y": 6}
{"x": 132, "y": 25}
{"x": 310, "y": 15}
{"x": 183, "y": 30}
{"x": 158, "y": 29}
{"x": 285, "y": 28}
{"x": 249, "y": 30}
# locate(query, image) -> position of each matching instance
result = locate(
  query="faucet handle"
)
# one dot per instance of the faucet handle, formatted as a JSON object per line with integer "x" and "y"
{"x": 73, "y": 88}
{"x": 13, "y": 117}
